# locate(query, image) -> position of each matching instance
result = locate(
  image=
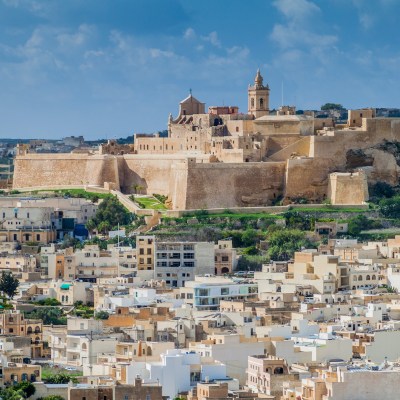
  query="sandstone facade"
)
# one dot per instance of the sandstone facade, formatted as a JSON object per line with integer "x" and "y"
{"x": 230, "y": 160}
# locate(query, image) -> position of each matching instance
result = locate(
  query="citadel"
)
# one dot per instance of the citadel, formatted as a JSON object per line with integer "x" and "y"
{"x": 223, "y": 158}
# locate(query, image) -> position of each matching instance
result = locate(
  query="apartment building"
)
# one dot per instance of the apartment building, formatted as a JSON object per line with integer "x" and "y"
{"x": 225, "y": 257}
{"x": 18, "y": 263}
{"x": 145, "y": 246}
{"x": 15, "y": 324}
{"x": 29, "y": 224}
{"x": 206, "y": 292}
{"x": 179, "y": 262}
{"x": 93, "y": 263}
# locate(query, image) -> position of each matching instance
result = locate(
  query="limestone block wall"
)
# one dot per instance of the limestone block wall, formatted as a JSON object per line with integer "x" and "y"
{"x": 178, "y": 182}
{"x": 46, "y": 170}
{"x": 301, "y": 148}
{"x": 231, "y": 185}
{"x": 277, "y": 143}
{"x": 348, "y": 188}
{"x": 374, "y": 131}
{"x": 308, "y": 178}
{"x": 149, "y": 171}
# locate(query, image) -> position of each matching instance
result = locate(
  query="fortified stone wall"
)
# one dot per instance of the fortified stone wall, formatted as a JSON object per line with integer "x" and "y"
{"x": 348, "y": 188}
{"x": 35, "y": 170}
{"x": 198, "y": 183}
{"x": 307, "y": 178}
{"x": 152, "y": 173}
{"x": 229, "y": 185}
{"x": 300, "y": 148}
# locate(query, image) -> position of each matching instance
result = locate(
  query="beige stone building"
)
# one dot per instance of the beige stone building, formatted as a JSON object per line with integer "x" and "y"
{"x": 225, "y": 257}
{"x": 145, "y": 250}
{"x": 224, "y": 158}
{"x": 15, "y": 324}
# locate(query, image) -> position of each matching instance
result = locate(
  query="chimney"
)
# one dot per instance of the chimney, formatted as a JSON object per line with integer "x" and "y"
{"x": 138, "y": 382}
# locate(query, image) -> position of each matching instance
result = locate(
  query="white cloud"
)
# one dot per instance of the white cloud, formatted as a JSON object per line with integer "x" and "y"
{"x": 189, "y": 34}
{"x": 296, "y": 9}
{"x": 291, "y": 35}
{"x": 212, "y": 37}
{"x": 299, "y": 31}
{"x": 78, "y": 38}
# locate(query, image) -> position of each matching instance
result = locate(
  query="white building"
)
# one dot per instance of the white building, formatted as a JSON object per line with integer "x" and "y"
{"x": 179, "y": 262}
{"x": 206, "y": 292}
{"x": 178, "y": 371}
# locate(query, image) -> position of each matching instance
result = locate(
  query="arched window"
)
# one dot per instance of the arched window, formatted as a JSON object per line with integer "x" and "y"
{"x": 373, "y": 277}
{"x": 261, "y": 103}
{"x": 360, "y": 277}
{"x": 368, "y": 278}
{"x": 252, "y": 103}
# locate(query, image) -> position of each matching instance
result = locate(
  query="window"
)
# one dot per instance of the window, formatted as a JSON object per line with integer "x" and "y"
{"x": 252, "y": 103}
{"x": 261, "y": 103}
{"x": 188, "y": 255}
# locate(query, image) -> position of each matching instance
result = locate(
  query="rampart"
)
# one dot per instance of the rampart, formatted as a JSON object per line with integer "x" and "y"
{"x": 193, "y": 182}
{"x": 46, "y": 170}
{"x": 211, "y": 185}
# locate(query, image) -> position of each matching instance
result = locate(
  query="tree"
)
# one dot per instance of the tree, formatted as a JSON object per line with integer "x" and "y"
{"x": 250, "y": 237}
{"x": 297, "y": 220}
{"x": 52, "y": 397}
{"x": 21, "y": 390}
{"x": 49, "y": 315}
{"x": 390, "y": 208}
{"x": 27, "y": 388}
{"x": 357, "y": 224}
{"x": 284, "y": 243}
{"x": 382, "y": 189}
{"x": 109, "y": 214}
{"x": 60, "y": 378}
{"x": 8, "y": 284}
{"x": 50, "y": 301}
{"x": 332, "y": 106}
{"x": 102, "y": 315}
{"x": 251, "y": 262}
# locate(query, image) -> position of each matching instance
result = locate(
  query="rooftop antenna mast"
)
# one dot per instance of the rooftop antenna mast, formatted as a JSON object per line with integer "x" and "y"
{"x": 282, "y": 94}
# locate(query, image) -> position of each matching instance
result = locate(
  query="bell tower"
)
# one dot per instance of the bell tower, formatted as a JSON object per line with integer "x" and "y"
{"x": 258, "y": 97}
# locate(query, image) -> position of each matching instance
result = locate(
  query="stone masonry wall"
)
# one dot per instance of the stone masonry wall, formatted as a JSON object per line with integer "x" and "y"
{"x": 44, "y": 170}
{"x": 229, "y": 185}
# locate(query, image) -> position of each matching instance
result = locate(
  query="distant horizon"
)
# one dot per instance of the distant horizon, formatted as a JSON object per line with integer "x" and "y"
{"x": 106, "y": 70}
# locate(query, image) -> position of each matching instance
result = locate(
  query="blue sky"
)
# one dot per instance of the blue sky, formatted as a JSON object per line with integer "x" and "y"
{"x": 109, "y": 68}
